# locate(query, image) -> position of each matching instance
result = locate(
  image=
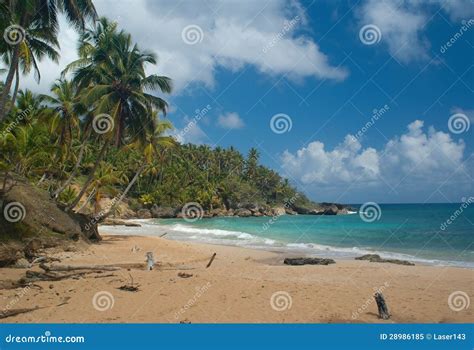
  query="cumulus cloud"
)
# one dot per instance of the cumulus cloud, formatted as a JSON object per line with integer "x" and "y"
{"x": 422, "y": 158}
{"x": 403, "y": 23}
{"x": 230, "y": 36}
{"x": 230, "y": 121}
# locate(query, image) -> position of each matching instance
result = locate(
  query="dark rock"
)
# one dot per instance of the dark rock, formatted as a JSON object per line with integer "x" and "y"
{"x": 163, "y": 212}
{"x": 217, "y": 212}
{"x": 377, "y": 258}
{"x": 144, "y": 214}
{"x": 308, "y": 261}
{"x": 242, "y": 212}
{"x": 118, "y": 222}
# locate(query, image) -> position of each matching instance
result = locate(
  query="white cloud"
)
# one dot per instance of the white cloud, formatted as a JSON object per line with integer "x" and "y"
{"x": 403, "y": 23}
{"x": 234, "y": 35}
{"x": 190, "y": 133}
{"x": 417, "y": 161}
{"x": 401, "y": 28}
{"x": 230, "y": 121}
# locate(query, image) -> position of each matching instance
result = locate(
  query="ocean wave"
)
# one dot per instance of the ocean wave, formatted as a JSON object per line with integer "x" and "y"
{"x": 238, "y": 238}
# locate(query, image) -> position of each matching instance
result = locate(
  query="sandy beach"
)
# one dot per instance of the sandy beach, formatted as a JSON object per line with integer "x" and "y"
{"x": 240, "y": 286}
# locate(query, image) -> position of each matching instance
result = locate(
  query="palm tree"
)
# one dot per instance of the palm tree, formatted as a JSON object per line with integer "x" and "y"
{"x": 116, "y": 87}
{"x": 36, "y": 23}
{"x": 154, "y": 142}
{"x": 65, "y": 112}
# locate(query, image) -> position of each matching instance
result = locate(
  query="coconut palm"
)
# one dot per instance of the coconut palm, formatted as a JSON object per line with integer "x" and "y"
{"x": 154, "y": 143}
{"x": 33, "y": 26}
{"x": 116, "y": 87}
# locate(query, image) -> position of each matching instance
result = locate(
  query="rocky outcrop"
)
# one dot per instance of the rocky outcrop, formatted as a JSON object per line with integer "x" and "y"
{"x": 308, "y": 261}
{"x": 31, "y": 222}
{"x": 377, "y": 258}
{"x": 144, "y": 214}
{"x": 242, "y": 212}
{"x": 118, "y": 222}
{"x": 163, "y": 212}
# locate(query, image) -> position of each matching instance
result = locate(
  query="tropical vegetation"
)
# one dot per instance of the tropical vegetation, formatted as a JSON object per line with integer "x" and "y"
{"x": 101, "y": 131}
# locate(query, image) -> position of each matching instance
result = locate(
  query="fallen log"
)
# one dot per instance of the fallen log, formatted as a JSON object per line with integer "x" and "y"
{"x": 308, "y": 261}
{"x": 210, "y": 261}
{"x": 382, "y": 306}
{"x": 78, "y": 267}
{"x": 14, "y": 312}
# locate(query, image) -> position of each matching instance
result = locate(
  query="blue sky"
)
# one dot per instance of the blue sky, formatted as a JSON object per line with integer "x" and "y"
{"x": 309, "y": 60}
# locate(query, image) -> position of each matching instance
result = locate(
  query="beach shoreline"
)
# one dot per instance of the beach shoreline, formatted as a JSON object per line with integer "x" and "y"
{"x": 241, "y": 286}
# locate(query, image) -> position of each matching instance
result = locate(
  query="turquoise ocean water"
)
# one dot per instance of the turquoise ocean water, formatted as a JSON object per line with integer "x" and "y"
{"x": 441, "y": 234}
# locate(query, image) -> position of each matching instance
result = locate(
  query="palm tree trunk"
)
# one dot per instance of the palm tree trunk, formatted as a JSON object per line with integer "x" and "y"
{"x": 86, "y": 201}
{"x": 73, "y": 173}
{"x": 15, "y": 92}
{"x": 8, "y": 82}
{"x": 125, "y": 192}
{"x": 90, "y": 177}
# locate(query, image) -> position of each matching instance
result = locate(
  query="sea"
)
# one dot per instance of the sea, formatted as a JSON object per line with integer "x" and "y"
{"x": 434, "y": 234}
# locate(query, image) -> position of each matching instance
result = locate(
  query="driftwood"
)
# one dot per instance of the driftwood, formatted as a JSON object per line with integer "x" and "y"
{"x": 377, "y": 258}
{"x": 150, "y": 261}
{"x": 78, "y": 267}
{"x": 14, "y": 312}
{"x": 382, "y": 306}
{"x": 164, "y": 234}
{"x": 308, "y": 261}
{"x": 210, "y": 261}
{"x": 185, "y": 275}
{"x": 130, "y": 287}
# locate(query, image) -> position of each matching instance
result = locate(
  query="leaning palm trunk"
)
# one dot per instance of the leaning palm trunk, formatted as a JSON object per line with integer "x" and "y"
{"x": 125, "y": 192}
{"x": 15, "y": 92}
{"x": 89, "y": 178}
{"x": 86, "y": 201}
{"x": 8, "y": 82}
{"x": 73, "y": 173}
